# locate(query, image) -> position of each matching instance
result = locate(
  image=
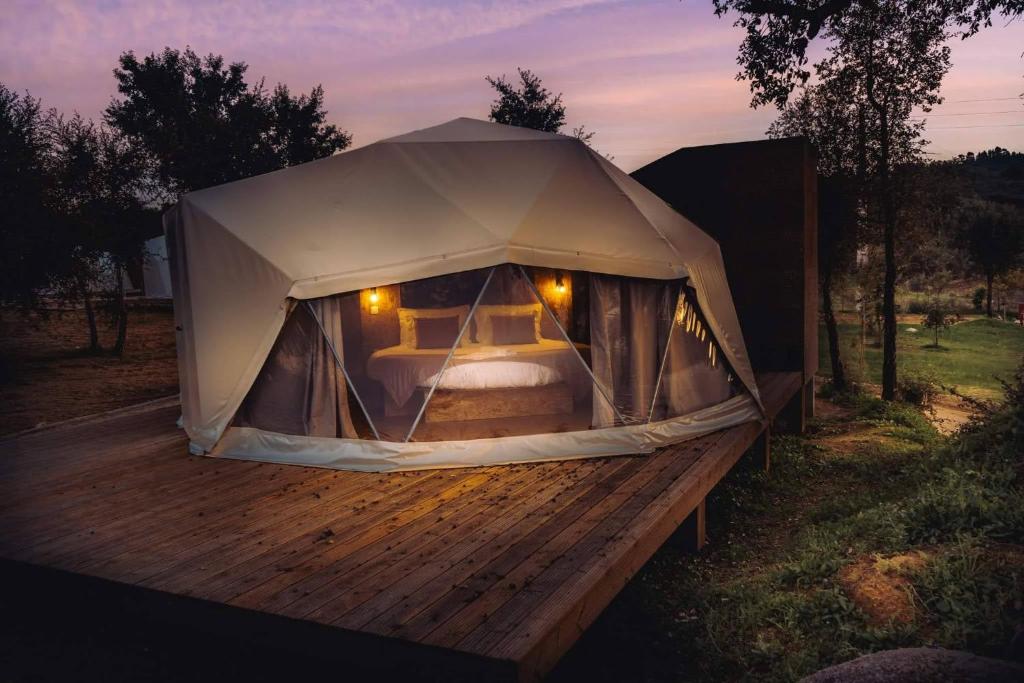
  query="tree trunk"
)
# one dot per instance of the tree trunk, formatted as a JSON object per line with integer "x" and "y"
{"x": 889, "y": 283}
{"x": 90, "y": 317}
{"x": 989, "y": 278}
{"x": 838, "y": 372}
{"x": 122, "y": 314}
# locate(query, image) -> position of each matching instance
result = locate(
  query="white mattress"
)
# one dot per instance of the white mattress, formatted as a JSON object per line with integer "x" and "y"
{"x": 495, "y": 375}
{"x": 402, "y": 370}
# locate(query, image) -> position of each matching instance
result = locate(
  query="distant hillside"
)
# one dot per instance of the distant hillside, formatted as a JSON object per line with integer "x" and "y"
{"x": 997, "y": 174}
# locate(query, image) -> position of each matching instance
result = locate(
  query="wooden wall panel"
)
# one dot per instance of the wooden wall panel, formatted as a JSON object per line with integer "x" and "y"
{"x": 759, "y": 200}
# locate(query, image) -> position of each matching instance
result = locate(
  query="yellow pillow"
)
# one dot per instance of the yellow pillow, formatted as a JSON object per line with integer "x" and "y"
{"x": 407, "y": 322}
{"x": 484, "y": 329}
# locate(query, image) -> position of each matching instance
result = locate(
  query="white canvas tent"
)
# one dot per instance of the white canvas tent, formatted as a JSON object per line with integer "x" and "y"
{"x": 156, "y": 271}
{"x": 463, "y": 197}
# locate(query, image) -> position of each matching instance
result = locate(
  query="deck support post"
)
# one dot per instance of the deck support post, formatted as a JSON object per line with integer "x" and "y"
{"x": 702, "y": 524}
{"x": 762, "y": 448}
{"x": 693, "y": 532}
{"x": 792, "y": 418}
{"x": 809, "y": 399}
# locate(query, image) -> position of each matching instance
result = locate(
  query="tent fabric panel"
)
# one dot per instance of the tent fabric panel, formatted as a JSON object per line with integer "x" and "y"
{"x": 598, "y": 216}
{"x": 351, "y": 212}
{"x": 707, "y": 275}
{"x": 234, "y": 305}
{"x": 185, "y": 342}
{"x": 420, "y": 269}
{"x": 473, "y": 130}
{"x": 380, "y": 456}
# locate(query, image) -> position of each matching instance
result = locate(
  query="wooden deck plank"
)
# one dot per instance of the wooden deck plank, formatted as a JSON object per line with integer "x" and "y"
{"x": 508, "y": 564}
{"x": 550, "y": 568}
{"x": 412, "y": 592}
{"x": 344, "y": 569}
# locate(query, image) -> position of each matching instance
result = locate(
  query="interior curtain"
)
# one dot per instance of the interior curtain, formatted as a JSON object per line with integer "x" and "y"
{"x": 629, "y": 324}
{"x": 300, "y": 389}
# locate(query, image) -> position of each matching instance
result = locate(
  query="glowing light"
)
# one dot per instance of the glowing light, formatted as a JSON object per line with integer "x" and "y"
{"x": 374, "y": 299}
{"x": 559, "y": 283}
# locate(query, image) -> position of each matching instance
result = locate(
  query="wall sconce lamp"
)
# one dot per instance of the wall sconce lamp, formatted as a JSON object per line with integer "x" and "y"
{"x": 559, "y": 282}
{"x": 374, "y": 301}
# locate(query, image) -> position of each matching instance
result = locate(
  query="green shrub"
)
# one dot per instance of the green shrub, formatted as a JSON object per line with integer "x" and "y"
{"x": 918, "y": 388}
{"x": 971, "y": 596}
{"x": 965, "y": 501}
{"x": 978, "y": 299}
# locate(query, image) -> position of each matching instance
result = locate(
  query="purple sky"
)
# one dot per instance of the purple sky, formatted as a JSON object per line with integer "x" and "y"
{"x": 648, "y": 77}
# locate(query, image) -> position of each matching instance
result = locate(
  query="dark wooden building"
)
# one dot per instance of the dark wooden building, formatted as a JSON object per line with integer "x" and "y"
{"x": 760, "y": 201}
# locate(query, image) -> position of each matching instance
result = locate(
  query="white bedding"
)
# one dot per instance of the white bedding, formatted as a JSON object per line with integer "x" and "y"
{"x": 402, "y": 370}
{"x": 495, "y": 375}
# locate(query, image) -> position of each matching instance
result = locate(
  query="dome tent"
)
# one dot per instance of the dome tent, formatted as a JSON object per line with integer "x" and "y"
{"x": 299, "y": 295}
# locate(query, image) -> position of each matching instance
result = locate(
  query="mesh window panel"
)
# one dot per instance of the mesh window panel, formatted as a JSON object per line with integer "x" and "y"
{"x": 519, "y": 374}
{"x": 695, "y": 374}
{"x": 300, "y": 389}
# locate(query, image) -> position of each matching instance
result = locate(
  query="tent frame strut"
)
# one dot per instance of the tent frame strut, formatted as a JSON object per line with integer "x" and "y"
{"x": 572, "y": 346}
{"x": 451, "y": 352}
{"x": 341, "y": 365}
{"x": 664, "y": 357}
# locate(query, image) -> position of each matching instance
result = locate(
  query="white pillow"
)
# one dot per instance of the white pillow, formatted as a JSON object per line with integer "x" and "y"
{"x": 484, "y": 329}
{"x": 407, "y": 322}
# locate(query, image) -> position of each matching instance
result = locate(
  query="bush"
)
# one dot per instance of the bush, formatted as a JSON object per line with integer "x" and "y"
{"x": 966, "y": 501}
{"x": 971, "y": 596}
{"x": 978, "y": 299}
{"x": 918, "y": 388}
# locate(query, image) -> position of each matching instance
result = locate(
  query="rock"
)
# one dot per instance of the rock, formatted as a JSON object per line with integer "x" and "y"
{"x": 920, "y": 665}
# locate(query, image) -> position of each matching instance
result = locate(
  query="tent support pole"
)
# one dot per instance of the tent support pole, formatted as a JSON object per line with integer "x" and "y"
{"x": 451, "y": 352}
{"x": 664, "y": 356}
{"x": 572, "y": 346}
{"x": 341, "y": 366}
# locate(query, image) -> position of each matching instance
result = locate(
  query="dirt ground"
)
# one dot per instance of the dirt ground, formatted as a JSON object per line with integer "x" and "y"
{"x": 48, "y": 375}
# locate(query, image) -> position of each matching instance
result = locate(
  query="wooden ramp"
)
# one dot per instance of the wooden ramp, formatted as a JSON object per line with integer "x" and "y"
{"x": 492, "y": 570}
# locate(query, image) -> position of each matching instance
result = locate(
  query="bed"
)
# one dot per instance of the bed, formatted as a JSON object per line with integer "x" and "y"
{"x": 483, "y": 381}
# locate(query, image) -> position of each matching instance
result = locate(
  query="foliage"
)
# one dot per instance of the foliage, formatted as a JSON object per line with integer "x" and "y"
{"x": 971, "y": 594}
{"x": 530, "y": 105}
{"x": 978, "y": 298}
{"x": 994, "y": 234}
{"x": 203, "y": 124}
{"x": 773, "y": 54}
{"x": 101, "y": 194}
{"x": 938, "y": 317}
{"x": 918, "y": 388}
{"x": 30, "y": 239}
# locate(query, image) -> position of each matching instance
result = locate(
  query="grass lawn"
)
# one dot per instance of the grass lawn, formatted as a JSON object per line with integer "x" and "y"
{"x": 970, "y": 355}
{"x": 872, "y": 532}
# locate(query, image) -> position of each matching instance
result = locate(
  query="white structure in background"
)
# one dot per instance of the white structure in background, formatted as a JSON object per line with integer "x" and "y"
{"x": 156, "y": 271}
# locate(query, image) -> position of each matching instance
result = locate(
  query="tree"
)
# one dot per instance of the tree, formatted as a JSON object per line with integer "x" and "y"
{"x": 888, "y": 58}
{"x": 29, "y": 240}
{"x": 204, "y": 125}
{"x": 773, "y": 54}
{"x": 994, "y": 234}
{"x": 531, "y": 105}
{"x": 938, "y": 317}
{"x": 101, "y": 194}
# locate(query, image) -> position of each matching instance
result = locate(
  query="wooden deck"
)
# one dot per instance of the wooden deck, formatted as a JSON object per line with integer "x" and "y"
{"x": 500, "y": 568}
